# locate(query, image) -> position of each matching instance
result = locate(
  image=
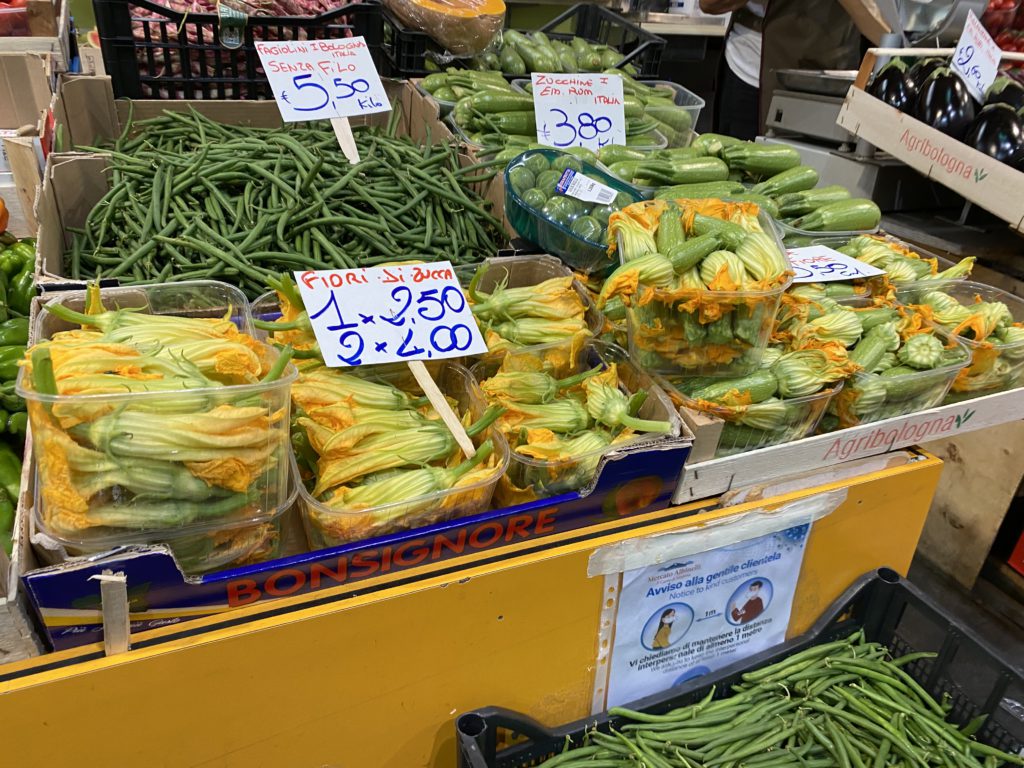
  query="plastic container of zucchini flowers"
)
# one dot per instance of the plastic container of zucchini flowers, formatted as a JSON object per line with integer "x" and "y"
{"x": 214, "y": 549}
{"x": 382, "y": 462}
{"x": 701, "y": 281}
{"x": 906, "y": 367}
{"x": 989, "y": 322}
{"x": 528, "y": 301}
{"x": 154, "y": 415}
{"x": 563, "y": 414}
{"x": 759, "y": 417}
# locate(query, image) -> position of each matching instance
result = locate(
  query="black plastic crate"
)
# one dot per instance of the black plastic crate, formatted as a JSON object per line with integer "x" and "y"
{"x": 407, "y": 50}
{"x": 152, "y": 52}
{"x": 891, "y": 611}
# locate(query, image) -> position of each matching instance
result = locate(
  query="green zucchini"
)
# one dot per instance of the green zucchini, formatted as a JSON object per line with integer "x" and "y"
{"x": 753, "y": 388}
{"x": 761, "y": 159}
{"x": 716, "y": 189}
{"x": 857, "y": 214}
{"x": 797, "y": 179}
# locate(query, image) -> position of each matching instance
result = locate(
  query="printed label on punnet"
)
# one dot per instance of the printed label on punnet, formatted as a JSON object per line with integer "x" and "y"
{"x": 575, "y": 184}
{"x": 582, "y": 110}
{"x": 322, "y": 79}
{"x": 821, "y": 264}
{"x": 977, "y": 57}
{"x": 389, "y": 314}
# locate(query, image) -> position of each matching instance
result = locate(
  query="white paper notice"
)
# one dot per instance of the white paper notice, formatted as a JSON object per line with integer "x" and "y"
{"x": 389, "y": 314}
{"x": 976, "y": 58}
{"x": 821, "y": 264}
{"x": 699, "y": 613}
{"x": 583, "y": 110}
{"x": 575, "y": 184}
{"x": 322, "y": 79}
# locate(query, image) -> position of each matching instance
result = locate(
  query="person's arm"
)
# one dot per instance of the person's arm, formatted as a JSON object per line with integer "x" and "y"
{"x": 866, "y": 16}
{"x": 718, "y": 7}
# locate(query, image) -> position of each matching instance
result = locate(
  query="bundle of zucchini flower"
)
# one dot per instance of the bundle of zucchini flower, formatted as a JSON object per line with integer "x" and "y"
{"x": 781, "y": 401}
{"x": 700, "y": 281}
{"x": 151, "y": 422}
{"x": 904, "y": 367}
{"x": 510, "y": 318}
{"x": 982, "y": 318}
{"x": 560, "y": 423}
{"x": 903, "y": 264}
{"x": 372, "y": 451}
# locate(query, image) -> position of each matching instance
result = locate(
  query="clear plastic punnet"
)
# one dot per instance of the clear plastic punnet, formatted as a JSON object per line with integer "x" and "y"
{"x": 571, "y": 228}
{"x": 698, "y": 331}
{"x": 213, "y": 549}
{"x": 330, "y": 524}
{"x": 748, "y": 427}
{"x": 989, "y": 323}
{"x": 530, "y": 477}
{"x": 524, "y": 272}
{"x": 139, "y": 433}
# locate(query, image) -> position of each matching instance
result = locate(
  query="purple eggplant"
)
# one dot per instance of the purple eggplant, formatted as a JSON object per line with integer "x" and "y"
{"x": 923, "y": 69}
{"x": 944, "y": 103}
{"x": 894, "y": 86}
{"x": 1005, "y": 90}
{"x": 997, "y": 131}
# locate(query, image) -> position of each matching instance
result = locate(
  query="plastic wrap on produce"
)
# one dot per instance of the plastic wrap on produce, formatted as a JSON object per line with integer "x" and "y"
{"x": 463, "y": 27}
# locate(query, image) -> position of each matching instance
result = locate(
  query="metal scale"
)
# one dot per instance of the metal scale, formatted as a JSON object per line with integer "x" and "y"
{"x": 803, "y": 112}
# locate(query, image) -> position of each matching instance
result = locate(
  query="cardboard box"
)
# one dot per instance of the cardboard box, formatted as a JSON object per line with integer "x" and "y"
{"x": 977, "y": 177}
{"x": 86, "y": 114}
{"x": 25, "y": 94}
{"x": 49, "y": 24}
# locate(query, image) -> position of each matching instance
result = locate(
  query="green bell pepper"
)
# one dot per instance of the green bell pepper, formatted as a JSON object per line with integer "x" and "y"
{"x": 14, "y": 257}
{"x": 22, "y": 290}
{"x": 14, "y": 331}
{"x": 17, "y": 425}
{"x": 9, "y": 359}
{"x": 10, "y": 471}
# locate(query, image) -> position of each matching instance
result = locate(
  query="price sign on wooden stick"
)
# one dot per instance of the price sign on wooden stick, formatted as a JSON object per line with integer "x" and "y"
{"x": 324, "y": 80}
{"x": 407, "y": 313}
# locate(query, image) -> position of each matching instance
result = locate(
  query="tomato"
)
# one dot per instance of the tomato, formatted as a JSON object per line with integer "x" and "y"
{"x": 17, "y": 3}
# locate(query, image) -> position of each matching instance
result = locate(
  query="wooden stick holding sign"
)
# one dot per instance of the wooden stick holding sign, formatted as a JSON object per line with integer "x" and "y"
{"x": 334, "y": 80}
{"x": 347, "y": 142}
{"x": 404, "y": 313}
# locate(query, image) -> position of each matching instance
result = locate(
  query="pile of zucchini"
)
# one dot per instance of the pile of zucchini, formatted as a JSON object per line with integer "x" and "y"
{"x": 522, "y": 53}
{"x": 771, "y": 175}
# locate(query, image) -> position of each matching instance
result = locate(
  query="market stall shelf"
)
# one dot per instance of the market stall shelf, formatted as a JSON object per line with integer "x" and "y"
{"x": 708, "y": 478}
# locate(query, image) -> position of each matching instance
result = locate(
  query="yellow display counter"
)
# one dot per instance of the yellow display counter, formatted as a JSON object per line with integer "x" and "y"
{"x": 374, "y": 674}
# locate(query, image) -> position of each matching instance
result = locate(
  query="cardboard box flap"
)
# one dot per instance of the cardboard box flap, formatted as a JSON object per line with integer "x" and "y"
{"x": 24, "y": 89}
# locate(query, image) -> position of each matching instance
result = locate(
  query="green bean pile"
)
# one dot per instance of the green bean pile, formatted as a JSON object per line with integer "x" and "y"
{"x": 838, "y": 705}
{"x": 194, "y": 199}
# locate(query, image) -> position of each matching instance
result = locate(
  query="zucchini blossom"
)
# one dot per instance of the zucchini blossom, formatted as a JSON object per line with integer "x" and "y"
{"x": 608, "y": 405}
{"x": 840, "y": 325}
{"x": 723, "y": 271}
{"x": 761, "y": 257}
{"x": 530, "y": 386}
{"x": 553, "y": 299}
{"x": 806, "y": 371}
{"x": 632, "y": 238}
{"x": 566, "y": 415}
{"x": 651, "y": 269}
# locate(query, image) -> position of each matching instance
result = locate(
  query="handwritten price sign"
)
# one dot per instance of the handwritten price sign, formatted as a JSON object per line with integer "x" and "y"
{"x": 821, "y": 264}
{"x": 584, "y": 110}
{"x": 323, "y": 79}
{"x": 976, "y": 59}
{"x": 389, "y": 314}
